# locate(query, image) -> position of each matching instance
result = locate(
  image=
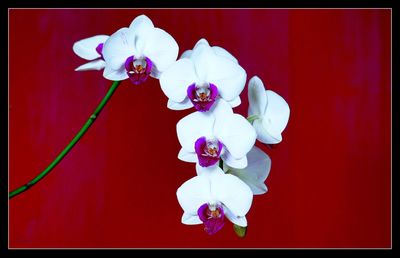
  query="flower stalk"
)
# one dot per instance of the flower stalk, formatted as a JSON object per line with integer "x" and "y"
{"x": 67, "y": 149}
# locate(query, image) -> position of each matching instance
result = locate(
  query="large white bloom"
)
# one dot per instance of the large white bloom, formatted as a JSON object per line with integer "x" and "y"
{"x": 139, "y": 51}
{"x": 201, "y": 76}
{"x": 91, "y": 49}
{"x": 213, "y": 195}
{"x": 256, "y": 172}
{"x": 207, "y": 137}
{"x": 268, "y": 111}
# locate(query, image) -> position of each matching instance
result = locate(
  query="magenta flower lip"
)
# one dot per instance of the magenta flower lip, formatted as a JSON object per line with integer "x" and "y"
{"x": 138, "y": 69}
{"x": 202, "y": 97}
{"x": 213, "y": 218}
{"x": 99, "y": 50}
{"x": 208, "y": 151}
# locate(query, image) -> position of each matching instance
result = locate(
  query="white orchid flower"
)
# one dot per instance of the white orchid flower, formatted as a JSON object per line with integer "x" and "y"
{"x": 91, "y": 49}
{"x": 208, "y": 199}
{"x": 207, "y": 137}
{"x": 138, "y": 52}
{"x": 201, "y": 76}
{"x": 256, "y": 172}
{"x": 268, "y": 112}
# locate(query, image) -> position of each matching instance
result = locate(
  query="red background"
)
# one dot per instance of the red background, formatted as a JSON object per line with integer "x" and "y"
{"x": 330, "y": 183}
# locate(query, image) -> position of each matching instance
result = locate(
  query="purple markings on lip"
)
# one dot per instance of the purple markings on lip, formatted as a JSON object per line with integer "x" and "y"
{"x": 202, "y": 97}
{"x": 213, "y": 220}
{"x": 139, "y": 69}
{"x": 99, "y": 50}
{"x": 208, "y": 151}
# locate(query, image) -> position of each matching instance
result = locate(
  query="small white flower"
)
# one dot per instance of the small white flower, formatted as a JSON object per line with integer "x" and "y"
{"x": 268, "y": 111}
{"x": 91, "y": 49}
{"x": 139, "y": 51}
{"x": 201, "y": 76}
{"x": 206, "y": 137}
{"x": 212, "y": 196}
{"x": 256, "y": 172}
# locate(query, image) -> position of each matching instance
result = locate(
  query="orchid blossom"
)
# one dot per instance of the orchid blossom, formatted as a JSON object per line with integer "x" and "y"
{"x": 207, "y": 137}
{"x": 268, "y": 112}
{"x": 138, "y": 52}
{"x": 201, "y": 76}
{"x": 256, "y": 172}
{"x": 91, "y": 49}
{"x": 211, "y": 196}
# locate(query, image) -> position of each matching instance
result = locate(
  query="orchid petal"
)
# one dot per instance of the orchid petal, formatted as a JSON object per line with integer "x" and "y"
{"x": 228, "y": 76}
{"x": 186, "y": 54}
{"x": 263, "y": 135}
{"x": 276, "y": 115}
{"x": 257, "y": 171}
{"x": 190, "y": 219}
{"x": 222, "y": 52}
{"x": 257, "y": 97}
{"x": 115, "y": 75}
{"x": 192, "y": 127}
{"x": 238, "y": 220}
{"x": 161, "y": 48}
{"x": 176, "y": 79}
{"x": 236, "y": 133}
{"x": 194, "y": 193}
{"x": 118, "y": 45}
{"x": 233, "y": 162}
{"x": 232, "y": 192}
{"x": 86, "y": 48}
{"x": 221, "y": 109}
{"x": 93, "y": 65}
{"x": 208, "y": 171}
{"x": 185, "y": 104}
{"x": 235, "y": 102}
{"x": 202, "y": 57}
{"x": 187, "y": 156}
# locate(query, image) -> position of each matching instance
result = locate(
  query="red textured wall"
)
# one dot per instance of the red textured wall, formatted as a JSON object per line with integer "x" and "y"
{"x": 330, "y": 183}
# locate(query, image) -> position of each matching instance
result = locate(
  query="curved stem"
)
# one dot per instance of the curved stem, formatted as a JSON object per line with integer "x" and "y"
{"x": 77, "y": 137}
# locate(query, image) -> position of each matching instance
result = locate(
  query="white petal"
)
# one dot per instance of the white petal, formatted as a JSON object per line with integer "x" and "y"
{"x": 192, "y": 127}
{"x": 236, "y": 133}
{"x": 221, "y": 109}
{"x": 185, "y": 104}
{"x": 161, "y": 48}
{"x": 208, "y": 171}
{"x": 176, "y": 79}
{"x": 235, "y": 102}
{"x": 194, "y": 193}
{"x": 115, "y": 75}
{"x": 201, "y": 43}
{"x": 141, "y": 22}
{"x": 263, "y": 135}
{"x": 86, "y": 48}
{"x": 187, "y": 156}
{"x": 257, "y": 171}
{"x": 228, "y": 76}
{"x": 232, "y": 192}
{"x": 118, "y": 46}
{"x": 232, "y": 162}
{"x": 222, "y": 52}
{"x": 93, "y": 65}
{"x": 190, "y": 219}
{"x": 257, "y": 97}
{"x": 276, "y": 114}
{"x": 238, "y": 220}
{"x": 202, "y": 57}
{"x": 186, "y": 54}
{"x": 138, "y": 32}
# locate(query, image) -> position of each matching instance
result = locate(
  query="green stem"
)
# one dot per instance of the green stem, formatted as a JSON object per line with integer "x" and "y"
{"x": 77, "y": 137}
{"x": 252, "y": 118}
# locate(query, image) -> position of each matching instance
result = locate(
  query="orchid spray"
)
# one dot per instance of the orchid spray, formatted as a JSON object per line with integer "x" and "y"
{"x": 230, "y": 169}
